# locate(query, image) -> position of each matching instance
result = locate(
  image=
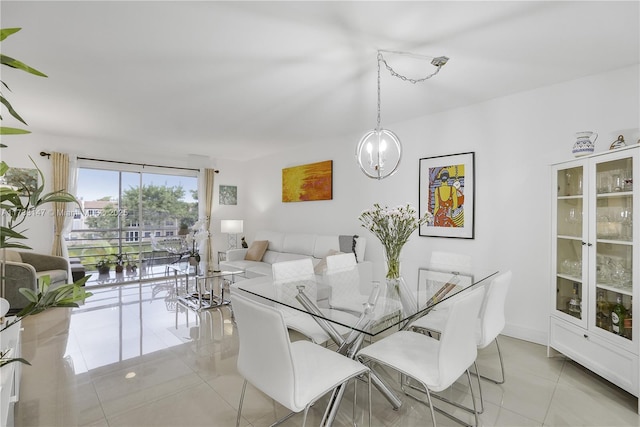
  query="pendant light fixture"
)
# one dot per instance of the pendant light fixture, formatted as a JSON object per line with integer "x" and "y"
{"x": 379, "y": 151}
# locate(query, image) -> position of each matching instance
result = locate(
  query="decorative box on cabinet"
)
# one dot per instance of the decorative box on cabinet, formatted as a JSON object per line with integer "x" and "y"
{"x": 595, "y": 261}
{"x": 10, "y": 373}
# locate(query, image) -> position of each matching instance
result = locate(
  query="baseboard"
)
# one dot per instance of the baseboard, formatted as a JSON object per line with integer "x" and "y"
{"x": 523, "y": 333}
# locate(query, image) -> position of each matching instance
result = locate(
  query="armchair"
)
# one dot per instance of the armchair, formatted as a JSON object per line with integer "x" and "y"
{"x": 23, "y": 269}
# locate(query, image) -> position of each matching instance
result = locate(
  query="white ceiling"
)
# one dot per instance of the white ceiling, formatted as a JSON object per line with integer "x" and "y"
{"x": 240, "y": 80}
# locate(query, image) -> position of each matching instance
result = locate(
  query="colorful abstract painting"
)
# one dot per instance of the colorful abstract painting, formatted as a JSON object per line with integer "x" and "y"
{"x": 447, "y": 192}
{"x": 313, "y": 181}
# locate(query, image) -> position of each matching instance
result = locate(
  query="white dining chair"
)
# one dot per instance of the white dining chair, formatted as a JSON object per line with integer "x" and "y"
{"x": 434, "y": 364}
{"x": 448, "y": 261}
{"x": 492, "y": 320}
{"x": 490, "y": 325}
{"x": 343, "y": 277}
{"x": 287, "y": 277}
{"x": 349, "y": 294}
{"x": 294, "y": 374}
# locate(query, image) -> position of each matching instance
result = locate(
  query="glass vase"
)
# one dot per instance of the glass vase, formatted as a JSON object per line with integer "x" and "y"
{"x": 399, "y": 294}
{"x": 397, "y": 291}
{"x": 392, "y": 262}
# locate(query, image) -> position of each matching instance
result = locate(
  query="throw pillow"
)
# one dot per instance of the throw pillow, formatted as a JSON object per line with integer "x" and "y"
{"x": 322, "y": 265}
{"x": 256, "y": 250}
{"x": 348, "y": 244}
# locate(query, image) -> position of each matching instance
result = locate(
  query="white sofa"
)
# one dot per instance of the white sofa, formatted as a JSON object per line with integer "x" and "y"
{"x": 291, "y": 246}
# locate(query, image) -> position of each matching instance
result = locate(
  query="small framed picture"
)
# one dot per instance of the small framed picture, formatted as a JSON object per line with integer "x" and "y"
{"x": 447, "y": 191}
{"x": 25, "y": 180}
{"x": 228, "y": 195}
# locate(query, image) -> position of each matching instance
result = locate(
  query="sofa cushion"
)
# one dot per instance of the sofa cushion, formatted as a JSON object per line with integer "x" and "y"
{"x": 275, "y": 238}
{"x": 256, "y": 250}
{"x": 287, "y": 256}
{"x": 298, "y": 243}
{"x": 270, "y": 256}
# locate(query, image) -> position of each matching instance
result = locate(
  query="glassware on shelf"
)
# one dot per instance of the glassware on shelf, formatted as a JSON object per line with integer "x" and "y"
{"x": 617, "y": 181}
{"x": 604, "y": 183}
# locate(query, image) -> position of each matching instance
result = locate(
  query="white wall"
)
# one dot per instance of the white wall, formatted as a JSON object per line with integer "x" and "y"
{"x": 515, "y": 139}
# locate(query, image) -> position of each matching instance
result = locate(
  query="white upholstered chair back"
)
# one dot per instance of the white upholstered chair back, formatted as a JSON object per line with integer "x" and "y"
{"x": 264, "y": 342}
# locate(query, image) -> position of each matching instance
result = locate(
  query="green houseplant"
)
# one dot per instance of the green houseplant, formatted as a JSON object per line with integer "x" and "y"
{"x": 15, "y": 208}
{"x": 103, "y": 266}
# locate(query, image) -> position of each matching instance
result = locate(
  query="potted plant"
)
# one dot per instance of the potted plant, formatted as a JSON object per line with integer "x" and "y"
{"x": 14, "y": 209}
{"x": 130, "y": 264}
{"x": 103, "y": 266}
{"x": 120, "y": 261}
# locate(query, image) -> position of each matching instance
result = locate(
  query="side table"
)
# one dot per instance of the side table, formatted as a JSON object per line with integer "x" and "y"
{"x": 204, "y": 296}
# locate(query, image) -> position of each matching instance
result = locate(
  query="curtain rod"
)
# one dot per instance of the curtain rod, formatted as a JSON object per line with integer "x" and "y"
{"x": 47, "y": 155}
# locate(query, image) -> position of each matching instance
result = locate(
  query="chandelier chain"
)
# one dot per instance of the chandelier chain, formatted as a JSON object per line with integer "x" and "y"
{"x": 400, "y": 76}
{"x": 379, "y": 58}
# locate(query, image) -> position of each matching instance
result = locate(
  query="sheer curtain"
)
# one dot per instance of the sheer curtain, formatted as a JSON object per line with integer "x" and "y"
{"x": 65, "y": 178}
{"x": 209, "y": 175}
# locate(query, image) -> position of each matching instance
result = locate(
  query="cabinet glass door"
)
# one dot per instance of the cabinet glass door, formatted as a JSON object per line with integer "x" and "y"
{"x": 570, "y": 229}
{"x": 614, "y": 247}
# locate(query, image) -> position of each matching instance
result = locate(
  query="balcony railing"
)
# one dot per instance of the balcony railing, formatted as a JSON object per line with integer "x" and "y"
{"x": 132, "y": 245}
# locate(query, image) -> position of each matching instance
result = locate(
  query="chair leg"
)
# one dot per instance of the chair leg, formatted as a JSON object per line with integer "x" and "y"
{"x": 501, "y": 381}
{"x": 355, "y": 400}
{"x": 429, "y": 403}
{"x": 244, "y": 388}
{"x": 475, "y": 364}
{"x": 369, "y": 386}
{"x": 431, "y": 408}
{"x": 435, "y": 396}
{"x": 473, "y": 399}
{"x": 304, "y": 419}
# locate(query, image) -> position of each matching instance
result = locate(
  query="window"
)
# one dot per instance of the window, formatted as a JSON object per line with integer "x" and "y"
{"x": 124, "y": 208}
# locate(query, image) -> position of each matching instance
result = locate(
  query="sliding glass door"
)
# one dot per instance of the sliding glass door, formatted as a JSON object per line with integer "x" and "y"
{"x": 129, "y": 215}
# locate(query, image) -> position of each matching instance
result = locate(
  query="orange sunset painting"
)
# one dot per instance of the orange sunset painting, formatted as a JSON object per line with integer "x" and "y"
{"x": 313, "y": 181}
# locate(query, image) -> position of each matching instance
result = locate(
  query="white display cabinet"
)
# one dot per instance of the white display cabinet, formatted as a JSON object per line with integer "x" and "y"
{"x": 594, "y": 264}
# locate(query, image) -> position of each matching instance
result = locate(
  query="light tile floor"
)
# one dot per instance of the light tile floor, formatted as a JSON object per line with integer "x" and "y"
{"x": 129, "y": 357}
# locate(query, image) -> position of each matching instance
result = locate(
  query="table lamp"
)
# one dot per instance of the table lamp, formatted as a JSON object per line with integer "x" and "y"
{"x": 232, "y": 227}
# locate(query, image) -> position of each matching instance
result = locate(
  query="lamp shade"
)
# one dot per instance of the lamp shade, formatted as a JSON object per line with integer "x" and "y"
{"x": 231, "y": 226}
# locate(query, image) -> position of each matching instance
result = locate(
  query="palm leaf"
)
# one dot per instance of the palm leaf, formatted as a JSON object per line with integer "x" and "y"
{"x": 6, "y": 32}
{"x": 4, "y": 130}
{"x": 10, "y": 109}
{"x": 14, "y": 63}
{"x": 4, "y": 362}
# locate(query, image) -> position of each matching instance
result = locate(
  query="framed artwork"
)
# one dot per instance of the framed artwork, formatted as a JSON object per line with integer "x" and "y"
{"x": 228, "y": 195}
{"x": 313, "y": 181}
{"x": 21, "y": 178}
{"x": 436, "y": 285}
{"x": 447, "y": 190}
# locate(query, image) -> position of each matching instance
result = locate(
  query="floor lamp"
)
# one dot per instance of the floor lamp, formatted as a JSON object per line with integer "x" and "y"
{"x": 232, "y": 227}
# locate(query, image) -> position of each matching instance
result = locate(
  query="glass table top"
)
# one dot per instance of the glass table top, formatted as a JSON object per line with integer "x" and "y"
{"x": 387, "y": 305}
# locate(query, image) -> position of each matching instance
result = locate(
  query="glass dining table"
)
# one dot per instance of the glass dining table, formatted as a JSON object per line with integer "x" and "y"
{"x": 384, "y": 310}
